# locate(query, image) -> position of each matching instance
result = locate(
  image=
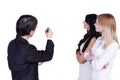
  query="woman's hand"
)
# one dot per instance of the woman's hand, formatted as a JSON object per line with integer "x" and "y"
{"x": 105, "y": 66}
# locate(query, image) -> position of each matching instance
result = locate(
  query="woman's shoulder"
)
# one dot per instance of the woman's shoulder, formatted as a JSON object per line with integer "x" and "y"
{"x": 98, "y": 41}
{"x": 99, "y": 38}
{"x": 93, "y": 39}
{"x": 114, "y": 43}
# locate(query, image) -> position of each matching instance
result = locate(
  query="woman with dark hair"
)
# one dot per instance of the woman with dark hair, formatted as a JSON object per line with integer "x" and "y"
{"x": 85, "y": 45}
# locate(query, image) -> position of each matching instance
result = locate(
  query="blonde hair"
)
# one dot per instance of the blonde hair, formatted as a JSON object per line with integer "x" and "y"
{"x": 107, "y": 21}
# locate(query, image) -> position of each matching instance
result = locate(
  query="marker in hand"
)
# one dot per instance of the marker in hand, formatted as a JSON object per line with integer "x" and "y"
{"x": 49, "y": 33}
{"x": 47, "y": 30}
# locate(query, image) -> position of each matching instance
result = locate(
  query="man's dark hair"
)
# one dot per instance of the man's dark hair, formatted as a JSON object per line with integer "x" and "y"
{"x": 25, "y": 24}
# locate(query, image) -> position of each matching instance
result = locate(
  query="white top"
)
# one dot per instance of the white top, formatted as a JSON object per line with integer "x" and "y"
{"x": 84, "y": 69}
{"x": 106, "y": 56}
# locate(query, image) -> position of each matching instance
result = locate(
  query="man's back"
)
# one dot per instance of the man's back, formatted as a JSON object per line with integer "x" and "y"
{"x": 20, "y": 67}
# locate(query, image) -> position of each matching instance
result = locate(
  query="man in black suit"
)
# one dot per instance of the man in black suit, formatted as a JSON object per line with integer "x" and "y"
{"x": 23, "y": 57}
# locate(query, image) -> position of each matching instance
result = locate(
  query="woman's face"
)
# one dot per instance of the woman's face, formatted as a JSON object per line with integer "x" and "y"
{"x": 86, "y": 25}
{"x": 98, "y": 27}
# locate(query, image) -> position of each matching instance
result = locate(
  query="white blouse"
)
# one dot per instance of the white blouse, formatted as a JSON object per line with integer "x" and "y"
{"x": 85, "y": 69}
{"x": 105, "y": 56}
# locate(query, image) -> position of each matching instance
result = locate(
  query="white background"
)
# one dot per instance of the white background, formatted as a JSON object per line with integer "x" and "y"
{"x": 65, "y": 18}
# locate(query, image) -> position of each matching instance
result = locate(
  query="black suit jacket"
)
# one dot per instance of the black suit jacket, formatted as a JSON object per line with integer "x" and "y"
{"x": 23, "y": 58}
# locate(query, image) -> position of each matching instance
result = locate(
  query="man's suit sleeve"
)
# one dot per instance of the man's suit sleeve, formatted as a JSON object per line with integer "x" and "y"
{"x": 34, "y": 55}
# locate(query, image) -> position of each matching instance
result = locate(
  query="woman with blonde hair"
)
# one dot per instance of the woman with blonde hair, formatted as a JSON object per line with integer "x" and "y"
{"x": 105, "y": 48}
